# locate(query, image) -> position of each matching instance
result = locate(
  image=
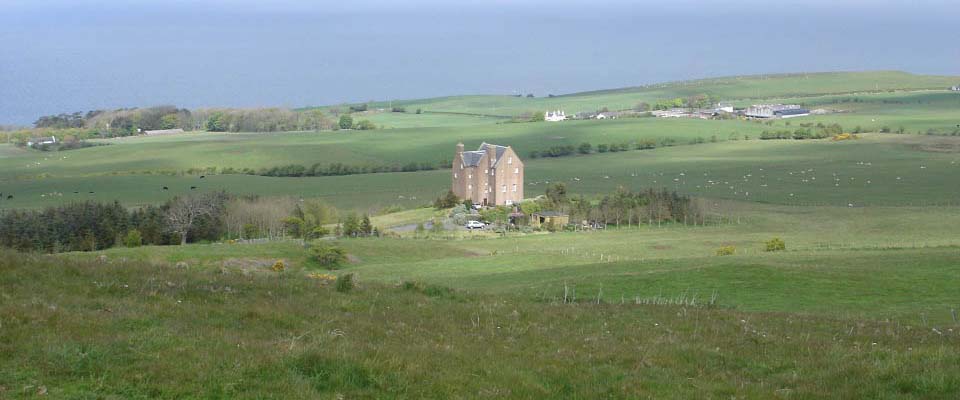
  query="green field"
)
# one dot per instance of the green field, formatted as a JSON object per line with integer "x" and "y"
{"x": 863, "y": 303}
{"x": 740, "y": 88}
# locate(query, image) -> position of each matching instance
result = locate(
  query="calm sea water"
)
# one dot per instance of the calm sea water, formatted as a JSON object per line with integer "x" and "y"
{"x": 63, "y": 56}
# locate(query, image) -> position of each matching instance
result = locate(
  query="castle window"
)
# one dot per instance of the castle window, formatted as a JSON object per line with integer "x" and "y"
{"x": 514, "y": 187}
{"x": 516, "y": 170}
{"x": 504, "y": 190}
{"x": 454, "y": 175}
{"x": 469, "y": 187}
{"x": 509, "y": 160}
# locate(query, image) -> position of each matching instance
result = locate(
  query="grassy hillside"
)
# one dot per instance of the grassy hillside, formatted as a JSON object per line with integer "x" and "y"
{"x": 728, "y": 88}
{"x": 133, "y": 170}
{"x": 862, "y": 303}
{"x": 125, "y": 329}
{"x": 866, "y": 262}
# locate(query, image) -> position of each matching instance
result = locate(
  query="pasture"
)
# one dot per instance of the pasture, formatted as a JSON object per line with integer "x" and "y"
{"x": 133, "y": 330}
{"x": 879, "y": 169}
{"x": 862, "y": 303}
{"x": 758, "y": 88}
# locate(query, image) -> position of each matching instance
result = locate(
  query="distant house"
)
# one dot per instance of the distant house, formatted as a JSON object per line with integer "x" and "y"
{"x": 554, "y": 116}
{"x": 40, "y": 141}
{"x": 585, "y": 115}
{"x": 671, "y": 113}
{"x": 955, "y": 88}
{"x": 163, "y": 132}
{"x": 775, "y": 111}
{"x": 491, "y": 175}
{"x": 724, "y": 107}
{"x": 607, "y": 115}
{"x": 549, "y": 218}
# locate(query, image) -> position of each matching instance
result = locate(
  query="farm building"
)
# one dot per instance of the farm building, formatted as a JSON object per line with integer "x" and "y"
{"x": 608, "y": 115}
{"x": 671, "y": 113}
{"x": 549, "y": 218}
{"x": 554, "y": 116}
{"x": 39, "y": 141}
{"x": 775, "y": 111}
{"x": 491, "y": 175}
{"x": 724, "y": 107}
{"x": 955, "y": 88}
{"x": 163, "y": 132}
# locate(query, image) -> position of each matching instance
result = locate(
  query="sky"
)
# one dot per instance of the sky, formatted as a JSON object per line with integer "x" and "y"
{"x": 64, "y": 56}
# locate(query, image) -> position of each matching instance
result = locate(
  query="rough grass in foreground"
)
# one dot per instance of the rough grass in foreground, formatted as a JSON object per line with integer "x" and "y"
{"x": 90, "y": 330}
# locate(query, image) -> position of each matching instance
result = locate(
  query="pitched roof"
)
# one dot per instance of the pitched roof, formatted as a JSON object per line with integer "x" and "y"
{"x": 472, "y": 158}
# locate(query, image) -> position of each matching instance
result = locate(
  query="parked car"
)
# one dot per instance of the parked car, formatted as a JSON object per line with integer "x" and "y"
{"x": 475, "y": 225}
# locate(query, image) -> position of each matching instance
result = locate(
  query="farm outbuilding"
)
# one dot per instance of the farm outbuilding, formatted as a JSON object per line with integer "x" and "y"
{"x": 548, "y": 218}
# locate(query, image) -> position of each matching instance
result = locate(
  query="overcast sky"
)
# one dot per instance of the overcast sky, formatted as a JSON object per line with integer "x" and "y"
{"x": 61, "y": 56}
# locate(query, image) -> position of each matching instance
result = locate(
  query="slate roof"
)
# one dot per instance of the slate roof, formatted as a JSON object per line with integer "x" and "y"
{"x": 792, "y": 111}
{"x": 472, "y": 158}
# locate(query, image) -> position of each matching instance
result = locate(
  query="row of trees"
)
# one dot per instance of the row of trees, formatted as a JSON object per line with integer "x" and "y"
{"x": 702, "y": 100}
{"x": 336, "y": 169}
{"x": 89, "y": 226}
{"x": 622, "y": 206}
{"x": 820, "y": 131}
{"x": 587, "y": 148}
{"x": 130, "y": 121}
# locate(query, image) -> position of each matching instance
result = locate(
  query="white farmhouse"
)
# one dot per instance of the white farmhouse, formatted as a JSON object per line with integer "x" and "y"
{"x": 554, "y": 116}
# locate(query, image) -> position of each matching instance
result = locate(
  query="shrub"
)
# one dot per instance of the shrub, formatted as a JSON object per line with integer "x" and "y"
{"x": 250, "y": 231}
{"x": 346, "y": 122}
{"x": 726, "y": 251}
{"x": 133, "y": 238}
{"x": 776, "y": 244}
{"x": 329, "y": 255}
{"x": 344, "y": 283}
{"x": 279, "y": 266}
{"x": 364, "y": 125}
{"x": 446, "y": 201}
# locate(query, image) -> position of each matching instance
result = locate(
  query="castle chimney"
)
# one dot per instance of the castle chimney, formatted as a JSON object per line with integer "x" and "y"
{"x": 459, "y": 147}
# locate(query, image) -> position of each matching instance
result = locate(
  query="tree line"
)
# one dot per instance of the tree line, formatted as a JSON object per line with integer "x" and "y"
{"x": 132, "y": 121}
{"x": 92, "y": 226}
{"x": 623, "y": 206}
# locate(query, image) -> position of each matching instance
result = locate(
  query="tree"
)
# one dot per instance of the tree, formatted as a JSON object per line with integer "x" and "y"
{"x": 185, "y": 211}
{"x": 537, "y": 117}
{"x": 557, "y": 194}
{"x": 448, "y": 200}
{"x": 346, "y": 121}
{"x": 216, "y": 123}
{"x": 366, "y": 228}
{"x": 351, "y": 225}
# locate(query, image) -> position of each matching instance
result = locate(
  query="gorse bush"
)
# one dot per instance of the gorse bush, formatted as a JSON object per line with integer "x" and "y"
{"x": 328, "y": 255}
{"x": 776, "y": 244}
{"x": 726, "y": 251}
